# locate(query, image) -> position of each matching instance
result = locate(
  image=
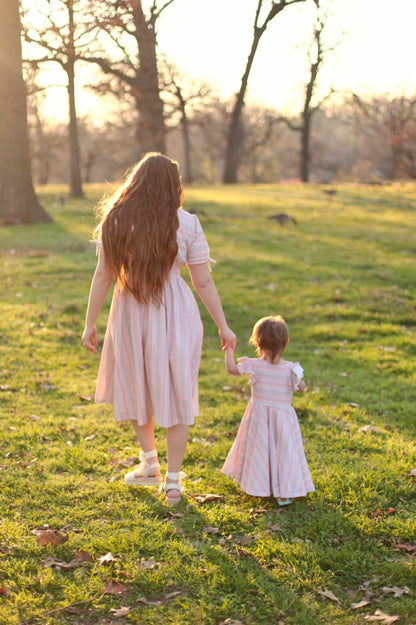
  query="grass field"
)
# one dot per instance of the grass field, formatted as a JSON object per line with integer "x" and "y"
{"x": 344, "y": 279}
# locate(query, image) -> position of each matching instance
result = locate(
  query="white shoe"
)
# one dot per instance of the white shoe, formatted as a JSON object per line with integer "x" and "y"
{"x": 166, "y": 487}
{"x": 139, "y": 476}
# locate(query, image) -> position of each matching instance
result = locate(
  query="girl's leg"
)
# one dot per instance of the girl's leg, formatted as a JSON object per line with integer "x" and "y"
{"x": 146, "y": 438}
{"x": 177, "y": 437}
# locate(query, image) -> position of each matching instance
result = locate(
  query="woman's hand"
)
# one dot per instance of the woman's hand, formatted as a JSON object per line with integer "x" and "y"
{"x": 228, "y": 338}
{"x": 89, "y": 338}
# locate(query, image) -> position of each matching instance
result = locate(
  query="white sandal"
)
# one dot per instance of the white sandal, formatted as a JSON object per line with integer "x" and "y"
{"x": 139, "y": 476}
{"x": 175, "y": 485}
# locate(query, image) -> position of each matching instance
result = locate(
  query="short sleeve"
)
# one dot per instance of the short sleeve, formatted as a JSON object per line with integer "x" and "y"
{"x": 244, "y": 366}
{"x": 296, "y": 374}
{"x": 197, "y": 250}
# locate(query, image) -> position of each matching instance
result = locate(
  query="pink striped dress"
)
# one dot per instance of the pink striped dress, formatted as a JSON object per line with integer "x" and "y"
{"x": 151, "y": 356}
{"x": 267, "y": 456}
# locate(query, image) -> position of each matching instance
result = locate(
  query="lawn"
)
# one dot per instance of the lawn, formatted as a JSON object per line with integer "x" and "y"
{"x": 344, "y": 279}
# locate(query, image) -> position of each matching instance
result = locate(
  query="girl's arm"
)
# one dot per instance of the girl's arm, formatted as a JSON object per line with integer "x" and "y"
{"x": 100, "y": 286}
{"x": 229, "y": 362}
{"x": 205, "y": 287}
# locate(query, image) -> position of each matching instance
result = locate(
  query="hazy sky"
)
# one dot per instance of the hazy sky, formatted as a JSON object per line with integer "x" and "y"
{"x": 210, "y": 40}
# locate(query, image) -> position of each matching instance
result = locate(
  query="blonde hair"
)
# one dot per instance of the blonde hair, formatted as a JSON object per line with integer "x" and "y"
{"x": 270, "y": 336}
{"x": 138, "y": 226}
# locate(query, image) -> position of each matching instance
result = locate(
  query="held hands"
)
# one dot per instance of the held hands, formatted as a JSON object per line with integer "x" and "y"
{"x": 228, "y": 338}
{"x": 89, "y": 338}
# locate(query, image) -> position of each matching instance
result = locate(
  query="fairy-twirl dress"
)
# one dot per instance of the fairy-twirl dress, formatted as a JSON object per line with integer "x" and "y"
{"x": 151, "y": 355}
{"x": 267, "y": 456}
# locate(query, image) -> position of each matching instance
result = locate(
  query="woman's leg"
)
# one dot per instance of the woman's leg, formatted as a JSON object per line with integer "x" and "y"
{"x": 177, "y": 437}
{"x": 146, "y": 438}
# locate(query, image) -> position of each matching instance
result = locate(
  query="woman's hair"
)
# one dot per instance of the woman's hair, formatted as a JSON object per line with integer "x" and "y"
{"x": 138, "y": 225}
{"x": 270, "y": 336}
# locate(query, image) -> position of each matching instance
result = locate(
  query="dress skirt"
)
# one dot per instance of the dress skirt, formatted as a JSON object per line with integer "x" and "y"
{"x": 267, "y": 456}
{"x": 151, "y": 357}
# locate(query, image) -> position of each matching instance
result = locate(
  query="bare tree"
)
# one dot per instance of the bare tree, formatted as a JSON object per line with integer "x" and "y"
{"x": 316, "y": 57}
{"x": 61, "y": 35}
{"x": 127, "y": 30}
{"x": 18, "y": 202}
{"x": 390, "y": 124}
{"x": 235, "y": 131}
{"x": 184, "y": 97}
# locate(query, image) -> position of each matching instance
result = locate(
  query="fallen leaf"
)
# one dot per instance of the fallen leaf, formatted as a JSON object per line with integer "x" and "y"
{"x": 412, "y": 473}
{"x": 175, "y": 515}
{"x": 211, "y": 530}
{"x": 148, "y": 565}
{"x": 51, "y": 536}
{"x": 245, "y": 540}
{"x": 5, "y": 590}
{"x": 329, "y": 595}
{"x": 171, "y": 595}
{"x": 114, "y": 588}
{"x": 397, "y": 592}
{"x": 211, "y": 438}
{"x": 119, "y": 612}
{"x": 230, "y": 621}
{"x": 108, "y": 558}
{"x": 256, "y": 511}
{"x": 370, "y": 428}
{"x": 83, "y": 556}
{"x": 128, "y": 462}
{"x": 360, "y": 604}
{"x": 207, "y": 497}
{"x": 386, "y": 619}
{"x": 352, "y": 404}
{"x": 90, "y": 438}
{"x": 54, "y": 563}
{"x": 407, "y": 547}
{"x": 227, "y": 388}
{"x": 86, "y": 397}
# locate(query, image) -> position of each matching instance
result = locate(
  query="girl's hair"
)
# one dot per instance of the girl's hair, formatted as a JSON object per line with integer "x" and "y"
{"x": 270, "y": 336}
{"x": 138, "y": 225}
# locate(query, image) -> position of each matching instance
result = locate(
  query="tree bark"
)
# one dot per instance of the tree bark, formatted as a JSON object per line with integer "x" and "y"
{"x": 151, "y": 133}
{"x": 18, "y": 201}
{"x": 75, "y": 183}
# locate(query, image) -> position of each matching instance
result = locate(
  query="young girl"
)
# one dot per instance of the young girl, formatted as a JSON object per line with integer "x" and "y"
{"x": 152, "y": 346}
{"x": 267, "y": 457}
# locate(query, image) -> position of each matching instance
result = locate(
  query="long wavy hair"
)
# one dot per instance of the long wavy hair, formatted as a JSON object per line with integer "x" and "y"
{"x": 138, "y": 225}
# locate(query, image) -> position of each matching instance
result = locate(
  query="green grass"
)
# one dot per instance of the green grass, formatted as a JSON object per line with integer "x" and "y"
{"x": 344, "y": 280}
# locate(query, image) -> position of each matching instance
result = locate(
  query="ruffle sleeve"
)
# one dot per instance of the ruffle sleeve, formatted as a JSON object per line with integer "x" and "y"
{"x": 197, "y": 251}
{"x": 297, "y": 375}
{"x": 245, "y": 367}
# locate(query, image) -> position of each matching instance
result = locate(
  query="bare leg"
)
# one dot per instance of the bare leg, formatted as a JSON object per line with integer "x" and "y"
{"x": 146, "y": 438}
{"x": 177, "y": 437}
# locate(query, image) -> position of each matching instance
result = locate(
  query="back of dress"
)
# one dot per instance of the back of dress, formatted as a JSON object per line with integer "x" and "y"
{"x": 271, "y": 384}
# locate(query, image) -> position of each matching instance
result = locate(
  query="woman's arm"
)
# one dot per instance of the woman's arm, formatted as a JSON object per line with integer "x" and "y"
{"x": 100, "y": 286}
{"x": 230, "y": 363}
{"x": 205, "y": 287}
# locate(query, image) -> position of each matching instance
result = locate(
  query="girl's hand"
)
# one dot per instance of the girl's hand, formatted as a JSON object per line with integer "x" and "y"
{"x": 228, "y": 338}
{"x": 89, "y": 338}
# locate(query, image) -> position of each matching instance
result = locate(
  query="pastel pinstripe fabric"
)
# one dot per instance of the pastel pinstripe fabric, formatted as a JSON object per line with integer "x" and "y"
{"x": 151, "y": 356}
{"x": 267, "y": 456}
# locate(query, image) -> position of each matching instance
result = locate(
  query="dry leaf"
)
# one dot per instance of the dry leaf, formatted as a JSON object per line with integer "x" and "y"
{"x": 360, "y": 604}
{"x": 256, "y": 511}
{"x": 211, "y": 530}
{"x": 90, "y": 438}
{"x": 329, "y": 595}
{"x": 52, "y": 537}
{"x": 148, "y": 565}
{"x": 352, "y": 404}
{"x": 54, "y": 563}
{"x": 119, "y": 612}
{"x": 370, "y": 428}
{"x": 245, "y": 540}
{"x": 230, "y": 621}
{"x": 385, "y": 619}
{"x": 407, "y": 547}
{"x": 5, "y": 590}
{"x": 83, "y": 556}
{"x": 114, "y": 588}
{"x": 227, "y": 388}
{"x": 207, "y": 497}
{"x": 107, "y": 559}
{"x": 412, "y": 473}
{"x": 397, "y": 592}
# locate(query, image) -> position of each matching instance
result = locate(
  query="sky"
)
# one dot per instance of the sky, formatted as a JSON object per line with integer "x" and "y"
{"x": 209, "y": 40}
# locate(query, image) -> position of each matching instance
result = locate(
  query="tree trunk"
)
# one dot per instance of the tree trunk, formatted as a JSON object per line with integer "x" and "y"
{"x": 235, "y": 133}
{"x": 18, "y": 201}
{"x": 75, "y": 184}
{"x": 187, "y": 177}
{"x": 151, "y": 133}
{"x": 304, "y": 147}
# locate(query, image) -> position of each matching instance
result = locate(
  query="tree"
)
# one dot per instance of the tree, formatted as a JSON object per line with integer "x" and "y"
{"x": 316, "y": 56}
{"x": 185, "y": 95}
{"x": 60, "y": 36}
{"x": 389, "y": 123}
{"x": 18, "y": 201}
{"x": 128, "y": 29}
{"x": 235, "y": 131}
